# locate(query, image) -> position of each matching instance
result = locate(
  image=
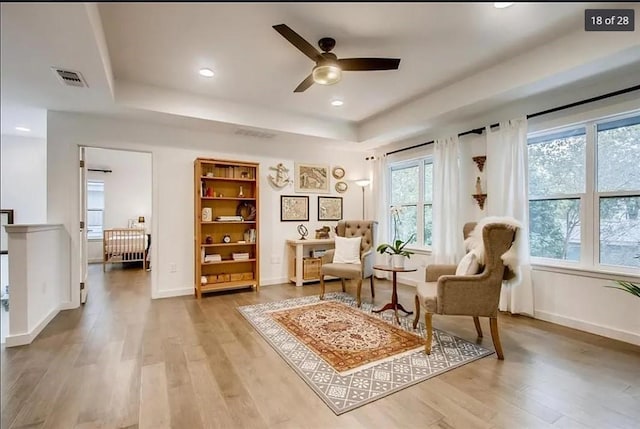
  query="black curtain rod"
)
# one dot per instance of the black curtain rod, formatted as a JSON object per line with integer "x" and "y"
{"x": 533, "y": 115}
{"x": 102, "y": 171}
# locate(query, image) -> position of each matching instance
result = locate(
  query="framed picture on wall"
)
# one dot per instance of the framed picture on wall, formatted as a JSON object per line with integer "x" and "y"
{"x": 312, "y": 178}
{"x": 6, "y": 218}
{"x": 294, "y": 208}
{"x": 329, "y": 208}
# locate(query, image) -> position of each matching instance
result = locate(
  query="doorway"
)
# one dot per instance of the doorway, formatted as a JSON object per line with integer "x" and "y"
{"x": 116, "y": 215}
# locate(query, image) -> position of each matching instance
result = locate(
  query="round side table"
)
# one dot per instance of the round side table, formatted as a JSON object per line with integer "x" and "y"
{"x": 394, "y": 304}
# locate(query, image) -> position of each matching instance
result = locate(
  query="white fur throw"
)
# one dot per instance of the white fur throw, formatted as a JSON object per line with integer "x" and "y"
{"x": 475, "y": 245}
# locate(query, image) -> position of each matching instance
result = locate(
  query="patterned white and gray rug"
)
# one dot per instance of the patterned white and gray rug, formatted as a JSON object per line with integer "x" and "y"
{"x": 342, "y": 392}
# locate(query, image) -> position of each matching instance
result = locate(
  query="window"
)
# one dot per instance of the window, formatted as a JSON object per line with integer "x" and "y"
{"x": 95, "y": 208}
{"x": 584, "y": 194}
{"x": 411, "y": 189}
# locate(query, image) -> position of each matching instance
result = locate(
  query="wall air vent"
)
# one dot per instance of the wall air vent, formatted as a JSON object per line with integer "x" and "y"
{"x": 69, "y": 77}
{"x": 254, "y": 133}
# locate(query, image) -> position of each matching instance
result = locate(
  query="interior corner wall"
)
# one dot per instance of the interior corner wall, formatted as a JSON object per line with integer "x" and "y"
{"x": 173, "y": 151}
{"x": 23, "y": 180}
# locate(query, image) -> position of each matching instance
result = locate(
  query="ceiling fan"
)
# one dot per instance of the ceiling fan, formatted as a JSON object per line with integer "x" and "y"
{"x": 328, "y": 69}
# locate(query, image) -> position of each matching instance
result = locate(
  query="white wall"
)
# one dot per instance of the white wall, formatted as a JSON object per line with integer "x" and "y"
{"x": 173, "y": 151}
{"x": 584, "y": 303}
{"x": 127, "y": 189}
{"x": 23, "y": 180}
{"x": 39, "y": 275}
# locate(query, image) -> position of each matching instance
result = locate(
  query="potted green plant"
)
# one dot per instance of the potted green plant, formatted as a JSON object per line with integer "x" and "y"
{"x": 632, "y": 288}
{"x": 397, "y": 248}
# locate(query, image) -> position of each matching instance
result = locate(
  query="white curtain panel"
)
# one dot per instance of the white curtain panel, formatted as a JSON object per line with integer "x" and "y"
{"x": 380, "y": 193}
{"x": 447, "y": 229}
{"x": 507, "y": 195}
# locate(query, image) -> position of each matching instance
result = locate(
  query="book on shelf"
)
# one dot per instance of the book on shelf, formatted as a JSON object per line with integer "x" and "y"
{"x": 240, "y": 256}
{"x": 214, "y": 257}
{"x": 250, "y": 235}
{"x": 229, "y": 218}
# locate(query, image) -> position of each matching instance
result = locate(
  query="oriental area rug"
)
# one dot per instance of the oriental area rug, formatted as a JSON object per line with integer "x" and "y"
{"x": 350, "y": 356}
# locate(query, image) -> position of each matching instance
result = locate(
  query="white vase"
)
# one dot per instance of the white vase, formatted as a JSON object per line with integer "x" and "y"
{"x": 397, "y": 261}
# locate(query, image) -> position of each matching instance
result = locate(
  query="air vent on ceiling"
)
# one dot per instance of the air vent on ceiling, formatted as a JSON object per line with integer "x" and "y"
{"x": 69, "y": 77}
{"x": 254, "y": 133}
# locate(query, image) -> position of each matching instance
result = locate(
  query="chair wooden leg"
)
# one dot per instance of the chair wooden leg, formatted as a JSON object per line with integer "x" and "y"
{"x": 415, "y": 320}
{"x": 358, "y": 291}
{"x": 373, "y": 292}
{"x": 476, "y": 321}
{"x": 321, "y": 286}
{"x": 429, "y": 328}
{"x": 344, "y": 288}
{"x": 496, "y": 337}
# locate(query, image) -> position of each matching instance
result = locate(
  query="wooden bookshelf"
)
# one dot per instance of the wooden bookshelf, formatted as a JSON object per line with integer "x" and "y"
{"x": 226, "y": 188}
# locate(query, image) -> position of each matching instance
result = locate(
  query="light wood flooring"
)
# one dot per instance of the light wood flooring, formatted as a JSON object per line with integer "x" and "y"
{"x": 124, "y": 361}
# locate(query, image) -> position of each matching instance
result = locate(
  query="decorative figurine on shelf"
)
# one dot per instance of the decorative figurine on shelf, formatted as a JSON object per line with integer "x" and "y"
{"x": 323, "y": 232}
{"x": 247, "y": 209}
{"x": 226, "y": 238}
{"x": 209, "y": 192}
{"x": 241, "y": 193}
{"x": 303, "y": 231}
{"x": 282, "y": 177}
{"x": 478, "y": 186}
{"x": 207, "y": 214}
{"x": 208, "y": 240}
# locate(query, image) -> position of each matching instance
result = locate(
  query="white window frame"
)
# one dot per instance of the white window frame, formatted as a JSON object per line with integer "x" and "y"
{"x": 420, "y": 203}
{"x": 589, "y": 203}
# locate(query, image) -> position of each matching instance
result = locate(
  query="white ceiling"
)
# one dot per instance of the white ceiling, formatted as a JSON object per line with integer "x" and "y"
{"x": 145, "y": 56}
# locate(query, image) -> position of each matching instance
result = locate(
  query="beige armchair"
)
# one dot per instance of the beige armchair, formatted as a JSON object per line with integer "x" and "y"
{"x": 469, "y": 295}
{"x": 348, "y": 229}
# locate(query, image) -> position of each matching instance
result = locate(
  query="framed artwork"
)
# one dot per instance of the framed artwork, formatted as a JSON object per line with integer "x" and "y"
{"x": 312, "y": 178}
{"x": 6, "y": 218}
{"x": 329, "y": 208}
{"x": 338, "y": 172}
{"x": 294, "y": 208}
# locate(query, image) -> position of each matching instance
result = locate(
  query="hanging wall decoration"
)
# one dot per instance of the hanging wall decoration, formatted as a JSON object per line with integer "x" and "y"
{"x": 312, "y": 178}
{"x": 281, "y": 178}
{"x": 338, "y": 172}
{"x": 294, "y": 208}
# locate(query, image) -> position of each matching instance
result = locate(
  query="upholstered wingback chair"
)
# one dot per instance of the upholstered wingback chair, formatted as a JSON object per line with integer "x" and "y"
{"x": 352, "y": 228}
{"x": 474, "y": 295}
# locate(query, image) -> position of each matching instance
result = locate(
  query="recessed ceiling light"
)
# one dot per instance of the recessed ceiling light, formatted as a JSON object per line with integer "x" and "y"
{"x": 502, "y": 5}
{"x": 23, "y": 129}
{"x": 337, "y": 103}
{"x": 206, "y": 72}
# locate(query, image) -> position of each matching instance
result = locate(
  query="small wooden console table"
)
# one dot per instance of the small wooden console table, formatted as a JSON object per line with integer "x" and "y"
{"x": 296, "y": 251}
{"x": 394, "y": 304}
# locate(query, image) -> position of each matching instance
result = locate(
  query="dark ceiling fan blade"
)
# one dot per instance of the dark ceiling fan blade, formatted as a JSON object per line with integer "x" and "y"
{"x": 364, "y": 64}
{"x": 296, "y": 40}
{"x": 305, "y": 84}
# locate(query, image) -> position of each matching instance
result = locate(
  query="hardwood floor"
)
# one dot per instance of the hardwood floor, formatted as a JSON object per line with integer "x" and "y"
{"x": 124, "y": 361}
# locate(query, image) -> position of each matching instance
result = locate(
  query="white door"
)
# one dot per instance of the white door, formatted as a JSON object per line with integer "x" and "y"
{"x": 83, "y": 229}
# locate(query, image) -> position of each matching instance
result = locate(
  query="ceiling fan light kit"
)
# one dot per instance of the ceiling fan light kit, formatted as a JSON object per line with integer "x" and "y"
{"x": 326, "y": 74}
{"x": 328, "y": 69}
